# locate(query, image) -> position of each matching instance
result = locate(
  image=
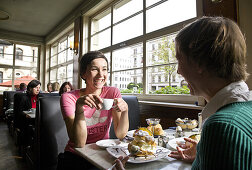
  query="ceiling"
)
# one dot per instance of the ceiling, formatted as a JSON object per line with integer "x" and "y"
{"x": 35, "y": 17}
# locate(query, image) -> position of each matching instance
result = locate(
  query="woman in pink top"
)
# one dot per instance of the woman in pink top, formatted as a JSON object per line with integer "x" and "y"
{"x": 81, "y": 110}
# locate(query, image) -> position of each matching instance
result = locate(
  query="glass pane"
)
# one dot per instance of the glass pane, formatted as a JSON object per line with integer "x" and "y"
{"x": 70, "y": 54}
{"x": 129, "y": 81}
{"x": 163, "y": 80}
{"x": 26, "y": 56}
{"x": 54, "y": 60}
{"x": 62, "y": 57}
{"x": 161, "y": 51}
{"x": 61, "y": 76}
{"x": 70, "y": 71}
{"x": 62, "y": 45}
{"x": 151, "y": 2}
{"x": 128, "y": 29}
{"x": 128, "y": 58}
{"x": 5, "y": 79}
{"x": 70, "y": 47}
{"x": 53, "y": 74}
{"x": 101, "y": 40}
{"x": 1, "y": 51}
{"x": 126, "y": 8}
{"x": 7, "y": 59}
{"x": 23, "y": 73}
{"x": 101, "y": 21}
{"x": 169, "y": 13}
{"x": 54, "y": 49}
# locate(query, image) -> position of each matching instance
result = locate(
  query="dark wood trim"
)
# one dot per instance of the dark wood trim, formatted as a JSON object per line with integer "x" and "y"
{"x": 225, "y": 8}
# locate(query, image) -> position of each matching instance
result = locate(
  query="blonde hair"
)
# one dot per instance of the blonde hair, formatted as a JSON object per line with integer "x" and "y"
{"x": 55, "y": 86}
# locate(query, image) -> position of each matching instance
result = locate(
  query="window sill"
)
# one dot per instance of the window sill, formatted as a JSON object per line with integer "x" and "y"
{"x": 176, "y": 105}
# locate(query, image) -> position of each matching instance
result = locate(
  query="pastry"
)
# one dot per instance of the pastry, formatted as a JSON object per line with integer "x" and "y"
{"x": 143, "y": 143}
{"x": 158, "y": 130}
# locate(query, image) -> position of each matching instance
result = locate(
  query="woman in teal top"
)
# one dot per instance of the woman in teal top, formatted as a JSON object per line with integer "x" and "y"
{"x": 211, "y": 54}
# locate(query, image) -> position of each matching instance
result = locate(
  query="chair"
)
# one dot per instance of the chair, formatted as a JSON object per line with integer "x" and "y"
{"x": 134, "y": 114}
{"x": 50, "y": 134}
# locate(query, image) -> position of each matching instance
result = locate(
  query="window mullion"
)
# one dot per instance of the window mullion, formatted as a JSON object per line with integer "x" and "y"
{"x": 145, "y": 89}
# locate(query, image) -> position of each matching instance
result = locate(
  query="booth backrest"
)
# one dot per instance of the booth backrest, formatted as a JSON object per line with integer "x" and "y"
{"x": 134, "y": 114}
{"x": 48, "y": 94}
{"x": 18, "y": 120}
{"x": 8, "y": 99}
{"x": 50, "y": 132}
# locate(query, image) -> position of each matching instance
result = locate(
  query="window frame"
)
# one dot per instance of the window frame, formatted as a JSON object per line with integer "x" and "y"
{"x": 183, "y": 98}
{"x": 56, "y": 44}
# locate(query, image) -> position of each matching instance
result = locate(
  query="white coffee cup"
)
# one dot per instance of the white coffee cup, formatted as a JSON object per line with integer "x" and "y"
{"x": 107, "y": 104}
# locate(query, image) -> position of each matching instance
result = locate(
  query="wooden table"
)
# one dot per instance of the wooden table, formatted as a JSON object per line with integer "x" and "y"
{"x": 103, "y": 160}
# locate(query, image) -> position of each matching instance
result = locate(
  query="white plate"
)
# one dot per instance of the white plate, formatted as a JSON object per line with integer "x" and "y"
{"x": 173, "y": 142}
{"x": 107, "y": 143}
{"x": 131, "y": 132}
{"x": 117, "y": 151}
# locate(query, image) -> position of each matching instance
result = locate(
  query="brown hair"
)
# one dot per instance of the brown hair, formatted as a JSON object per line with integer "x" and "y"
{"x": 61, "y": 91}
{"x": 88, "y": 58}
{"x": 217, "y": 44}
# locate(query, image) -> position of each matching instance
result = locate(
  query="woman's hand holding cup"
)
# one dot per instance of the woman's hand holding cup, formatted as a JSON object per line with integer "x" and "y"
{"x": 120, "y": 105}
{"x": 91, "y": 100}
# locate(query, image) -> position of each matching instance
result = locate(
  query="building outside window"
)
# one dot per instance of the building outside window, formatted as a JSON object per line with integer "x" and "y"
{"x": 155, "y": 38}
{"x": 24, "y": 62}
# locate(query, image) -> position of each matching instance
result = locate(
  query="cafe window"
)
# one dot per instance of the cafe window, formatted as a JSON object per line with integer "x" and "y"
{"x": 127, "y": 25}
{"x": 61, "y": 59}
{"x": 22, "y": 64}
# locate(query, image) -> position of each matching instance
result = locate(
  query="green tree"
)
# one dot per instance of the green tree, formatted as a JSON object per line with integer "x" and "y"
{"x": 166, "y": 55}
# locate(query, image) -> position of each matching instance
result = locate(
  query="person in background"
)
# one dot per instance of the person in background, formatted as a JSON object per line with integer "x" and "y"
{"x": 27, "y": 102}
{"x": 211, "y": 54}
{"x": 81, "y": 109}
{"x": 65, "y": 87}
{"x": 49, "y": 87}
{"x": 22, "y": 87}
{"x": 55, "y": 87}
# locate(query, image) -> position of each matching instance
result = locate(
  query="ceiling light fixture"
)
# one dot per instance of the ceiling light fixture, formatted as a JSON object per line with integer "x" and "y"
{"x": 4, "y": 15}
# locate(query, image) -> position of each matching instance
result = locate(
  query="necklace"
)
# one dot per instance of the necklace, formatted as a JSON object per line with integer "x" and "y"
{"x": 34, "y": 101}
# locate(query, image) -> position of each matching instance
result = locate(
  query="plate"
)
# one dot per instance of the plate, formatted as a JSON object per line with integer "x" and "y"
{"x": 173, "y": 142}
{"x": 107, "y": 143}
{"x": 117, "y": 151}
{"x": 131, "y": 132}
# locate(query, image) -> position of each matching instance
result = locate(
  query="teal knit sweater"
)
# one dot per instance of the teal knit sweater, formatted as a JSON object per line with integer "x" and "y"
{"x": 226, "y": 139}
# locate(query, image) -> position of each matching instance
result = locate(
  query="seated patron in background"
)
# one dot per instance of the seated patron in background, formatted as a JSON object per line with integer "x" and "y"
{"x": 211, "y": 54}
{"x": 27, "y": 102}
{"x": 65, "y": 87}
{"x": 49, "y": 87}
{"x": 22, "y": 87}
{"x": 55, "y": 87}
{"x": 81, "y": 109}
